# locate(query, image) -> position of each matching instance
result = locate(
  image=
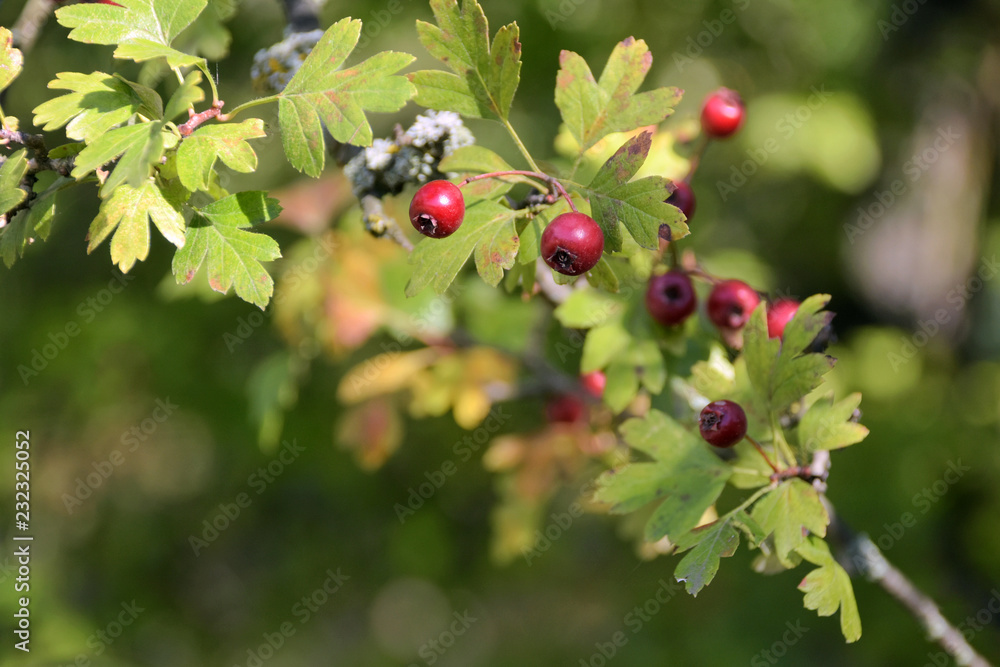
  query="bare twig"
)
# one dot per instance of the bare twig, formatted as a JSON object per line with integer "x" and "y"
{"x": 30, "y": 23}
{"x": 196, "y": 119}
{"x": 379, "y": 224}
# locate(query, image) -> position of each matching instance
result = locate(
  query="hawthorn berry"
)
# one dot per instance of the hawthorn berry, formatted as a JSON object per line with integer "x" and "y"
{"x": 722, "y": 423}
{"x": 779, "y": 314}
{"x": 594, "y": 382}
{"x": 722, "y": 114}
{"x": 565, "y": 409}
{"x": 670, "y": 298}
{"x": 683, "y": 198}
{"x": 437, "y": 210}
{"x": 572, "y": 243}
{"x": 730, "y": 304}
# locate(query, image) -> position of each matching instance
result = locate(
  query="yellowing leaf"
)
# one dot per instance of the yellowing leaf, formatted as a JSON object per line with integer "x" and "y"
{"x": 127, "y": 213}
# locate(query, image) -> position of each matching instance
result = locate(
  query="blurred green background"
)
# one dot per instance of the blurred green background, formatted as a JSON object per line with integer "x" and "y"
{"x": 865, "y": 170}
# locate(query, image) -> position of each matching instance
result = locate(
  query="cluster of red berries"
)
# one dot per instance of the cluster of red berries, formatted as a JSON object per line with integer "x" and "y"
{"x": 571, "y": 409}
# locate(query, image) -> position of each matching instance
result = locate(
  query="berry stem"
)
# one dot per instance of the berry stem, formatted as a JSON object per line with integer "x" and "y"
{"x": 763, "y": 453}
{"x": 696, "y": 156}
{"x": 520, "y": 145}
{"x": 553, "y": 183}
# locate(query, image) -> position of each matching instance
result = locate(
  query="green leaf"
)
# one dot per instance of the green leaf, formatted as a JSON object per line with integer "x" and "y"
{"x": 487, "y": 232}
{"x": 226, "y": 142}
{"x": 28, "y": 223}
{"x": 684, "y": 476}
{"x": 638, "y": 205}
{"x": 11, "y": 59}
{"x": 604, "y": 343}
{"x": 218, "y": 238}
{"x": 829, "y": 588}
{"x": 715, "y": 377}
{"x": 97, "y": 103}
{"x": 127, "y": 212}
{"x": 185, "y": 96}
{"x": 593, "y": 109}
{"x": 827, "y": 425}
{"x": 709, "y": 544}
{"x": 791, "y": 512}
{"x": 141, "y": 50}
{"x": 156, "y": 21}
{"x": 140, "y": 147}
{"x": 780, "y": 370}
{"x": 11, "y": 172}
{"x": 321, "y": 94}
{"x": 587, "y": 308}
{"x": 485, "y": 77}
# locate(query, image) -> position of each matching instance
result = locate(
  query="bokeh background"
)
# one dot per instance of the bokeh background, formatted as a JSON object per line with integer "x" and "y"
{"x": 865, "y": 171}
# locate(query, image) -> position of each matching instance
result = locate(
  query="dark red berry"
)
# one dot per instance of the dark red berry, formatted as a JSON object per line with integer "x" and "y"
{"x": 594, "y": 382}
{"x": 572, "y": 243}
{"x": 730, "y": 304}
{"x": 670, "y": 298}
{"x": 437, "y": 209}
{"x": 683, "y": 198}
{"x": 779, "y": 314}
{"x": 565, "y": 409}
{"x": 722, "y": 114}
{"x": 722, "y": 423}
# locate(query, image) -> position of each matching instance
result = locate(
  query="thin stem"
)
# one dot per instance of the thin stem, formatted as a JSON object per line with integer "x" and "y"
{"x": 247, "y": 105}
{"x": 781, "y": 445}
{"x": 517, "y": 172}
{"x": 520, "y": 145}
{"x": 763, "y": 454}
{"x": 695, "y": 158}
{"x": 211, "y": 84}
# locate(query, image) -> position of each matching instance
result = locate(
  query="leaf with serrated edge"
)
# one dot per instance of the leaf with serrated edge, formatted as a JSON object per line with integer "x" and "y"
{"x": 485, "y": 78}
{"x": 593, "y": 109}
{"x": 158, "y": 21}
{"x": 141, "y": 50}
{"x": 791, "y": 511}
{"x": 11, "y": 172}
{"x": 127, "y": 212}
{"x": 829, "y": 588}
{"x": 487, "y": 232}
{"x": 11, "y": 59}
{"x": 684, "y": 476}
{"x": 827, "y": 424}
{"x": 97, "y": 102}
{"x": 708, "y": 545}
{"x": 638, "y": 205}
{"x": 226, "y": 142}
{"x": 218, "y": 238}
{"x": 321, "y": 94}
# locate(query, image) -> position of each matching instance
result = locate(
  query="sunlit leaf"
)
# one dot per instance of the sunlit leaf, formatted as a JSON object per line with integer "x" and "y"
{"x": 127, "y": 213}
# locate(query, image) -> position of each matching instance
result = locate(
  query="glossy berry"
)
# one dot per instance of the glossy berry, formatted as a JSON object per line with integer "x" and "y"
{"x": 670, "y": 298}
{"x": 572, "y": 243}
{"x": 722, "y": 423}
{"x": 565, "y": 409}
{"x": 722, "y": 114}
{"x": 730, "y": 304}
{"x": 683, "y": 198}
{"x": 437, "y": 209}
{"x": 594, "y": 382}
{"x": 779, "y": 314}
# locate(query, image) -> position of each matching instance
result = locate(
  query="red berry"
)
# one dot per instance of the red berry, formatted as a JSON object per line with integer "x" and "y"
{"x": 683, "y": 198}
{"x": 670, "y": 298}
{"x": 722, "y": 423}
{"x": 594, "y": 382}
{"x": 572, "y": 243}
{"x": 437, "y": 209}
{"x": 730, "y": 304}
{"x": 565, "y": 409}
{"x": 779, "y": 314}
{"x": 723, "y": 113}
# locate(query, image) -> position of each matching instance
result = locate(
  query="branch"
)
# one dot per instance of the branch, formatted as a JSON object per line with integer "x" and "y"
{"x": 29, "y": 24}
{"x": 379, "y": 224}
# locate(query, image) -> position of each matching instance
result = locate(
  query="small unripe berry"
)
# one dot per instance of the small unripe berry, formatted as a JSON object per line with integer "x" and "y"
{"x": 670, "y": 298}
{"x": 437, "y": 209}
{"x": 572, "y": 243}
{"x": 594, "y": 382}
{"x": 565, "y": 409}
{"x": 730, "y": 304}
{"x": 779, "y": 314}
{"x": 722, "y": 114}
{"x": 683, "y": 198}
{"x": 722, "y": 423}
